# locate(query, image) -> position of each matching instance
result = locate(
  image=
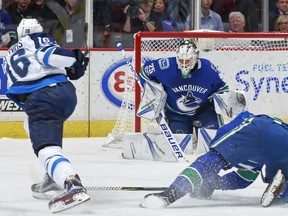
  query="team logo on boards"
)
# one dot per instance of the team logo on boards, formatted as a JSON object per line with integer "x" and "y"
{"x": 113, "y": 81}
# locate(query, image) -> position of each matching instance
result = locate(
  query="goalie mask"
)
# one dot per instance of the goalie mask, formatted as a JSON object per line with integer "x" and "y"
{"x": 187, "y": 57}
{"x": 230, "y": 103}
{"x": 28, "y": 26}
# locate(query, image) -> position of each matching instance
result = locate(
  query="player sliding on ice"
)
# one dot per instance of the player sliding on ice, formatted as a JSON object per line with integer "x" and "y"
{"x": 248, "y": 142}
{"x": 37, "y": 70}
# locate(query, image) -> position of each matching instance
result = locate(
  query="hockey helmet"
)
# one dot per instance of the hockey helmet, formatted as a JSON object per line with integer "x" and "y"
{"x": 28, "y": 26}
{"x": 186, "y": 57}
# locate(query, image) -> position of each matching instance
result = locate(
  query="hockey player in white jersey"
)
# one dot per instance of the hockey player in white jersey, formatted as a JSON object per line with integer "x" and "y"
{"x": 37, "y": 70}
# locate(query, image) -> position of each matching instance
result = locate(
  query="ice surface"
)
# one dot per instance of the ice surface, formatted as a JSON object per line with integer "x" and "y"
{"x": 102, "y": 166}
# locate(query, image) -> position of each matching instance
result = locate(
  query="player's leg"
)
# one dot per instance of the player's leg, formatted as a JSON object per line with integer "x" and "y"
{"x": 179, "y": 124}
{"x": 276, "y": 171}
{"x": 47, "y": 109}
{"x": 193, "y": 180}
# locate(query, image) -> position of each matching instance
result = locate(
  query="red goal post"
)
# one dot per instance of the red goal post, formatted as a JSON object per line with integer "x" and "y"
{"x": 218, "y": 47}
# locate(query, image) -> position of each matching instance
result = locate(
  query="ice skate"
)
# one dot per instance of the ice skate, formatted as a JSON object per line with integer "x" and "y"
{"x": 160, "y": 200}
{"x": 46, "y": 189}
{"x": 274, "y": 189}
{"x": 75, "y": 194}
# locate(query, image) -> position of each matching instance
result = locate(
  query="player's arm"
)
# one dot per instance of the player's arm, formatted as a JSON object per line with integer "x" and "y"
{"x": 147, "y": 72}
{"x": 74, "y": 60}
{"x": 154, "y": 95}
{"x": 55, "y": 56}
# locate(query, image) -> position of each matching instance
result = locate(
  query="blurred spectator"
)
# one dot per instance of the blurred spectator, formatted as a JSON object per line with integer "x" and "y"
{"x": 236, "y": 22}
{"x": 209, "y": 19}
{"x": 281, "y": 8}
{"x": 168, "y": 22}
{"x": 281, "y": 24}
{"x": 72, "y": 33}
{"x": 6, "y": 3}
{"x": 102, "y": 22}
{"x": 20, "y": 9}
{"x": 223, "y": 8}
{"x": 7, "y": 32}
{"x": 45, "y": 16}
{"x": 249, "y": 9}
{"x": 6, "y": 19}
{"x": 141, "y": 19}
{"x": 179, "y": 10}
{"x": 108, "y": 20}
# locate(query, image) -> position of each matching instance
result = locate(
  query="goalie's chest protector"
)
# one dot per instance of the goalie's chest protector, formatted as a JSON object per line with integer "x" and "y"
{"x": 186, "y": 95}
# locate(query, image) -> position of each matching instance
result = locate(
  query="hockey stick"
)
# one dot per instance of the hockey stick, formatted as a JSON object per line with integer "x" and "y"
{"x": 109, "y": 188}
{"x": 169, "y": 137}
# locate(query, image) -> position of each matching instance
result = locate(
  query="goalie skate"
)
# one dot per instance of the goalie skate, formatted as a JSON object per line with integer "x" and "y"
{"x": 160, "y": 200}
{"x": 75, "y": 195}
{"x": 273, "y": 190}
{"x": 46, "y": 189}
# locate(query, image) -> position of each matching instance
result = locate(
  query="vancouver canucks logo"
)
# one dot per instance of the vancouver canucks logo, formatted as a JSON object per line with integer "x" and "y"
{"x": 188, "y": 102}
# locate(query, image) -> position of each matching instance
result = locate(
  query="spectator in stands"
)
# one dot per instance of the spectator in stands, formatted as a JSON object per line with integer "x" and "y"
{"x": 7, "y": 32}
{"x": 179, "y": 10}
{"x": 141, "y": 20}
{"x": 72, "y": 31}
{"x": 6, "y": 3}
{"x": 45, "y": 16}
{"x": 223, "y": 8}
{"x": 249, "y": 9}
{"x": 6, "y": 19}
{"x": 168, "y": 22}
{"x": 281, "y": 24}
{"x": 236, "y": 22}
{"x": 20, "y": 9}
{"x": 209, "y": 19}
{"x": 281, "y": 8}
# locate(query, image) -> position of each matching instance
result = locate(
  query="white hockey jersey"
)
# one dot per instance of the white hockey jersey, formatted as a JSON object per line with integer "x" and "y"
{"x": 34, "y": 62}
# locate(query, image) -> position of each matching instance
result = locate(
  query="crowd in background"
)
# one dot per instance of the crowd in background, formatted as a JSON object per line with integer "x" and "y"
{"x": 118, "y": 20}
{"x": 219, "y": 15}
{"x": 63, "y": 19}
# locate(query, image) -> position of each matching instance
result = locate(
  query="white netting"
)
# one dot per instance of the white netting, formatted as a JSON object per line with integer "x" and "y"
{"x": 220, "y": 48}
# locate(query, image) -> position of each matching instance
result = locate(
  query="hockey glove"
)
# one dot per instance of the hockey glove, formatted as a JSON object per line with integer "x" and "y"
{"x": 78, "y": 69}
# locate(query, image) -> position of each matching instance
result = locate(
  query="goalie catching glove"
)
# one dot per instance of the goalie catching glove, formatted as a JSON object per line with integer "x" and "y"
{"x": 78, "y": 69}
{"x": 153, "y": 101}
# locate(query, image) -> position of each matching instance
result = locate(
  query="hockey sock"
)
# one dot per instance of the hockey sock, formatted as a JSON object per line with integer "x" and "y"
{"x": 56, "y": 164}
{"x": 199, "y": 173}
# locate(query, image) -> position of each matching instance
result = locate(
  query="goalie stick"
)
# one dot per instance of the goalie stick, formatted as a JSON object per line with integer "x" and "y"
{"x": 169, "y": 137}
{"x": 115, "y": 188}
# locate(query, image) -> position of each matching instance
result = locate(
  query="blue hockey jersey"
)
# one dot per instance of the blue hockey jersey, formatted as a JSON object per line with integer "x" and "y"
{"x": 184, "y": 95}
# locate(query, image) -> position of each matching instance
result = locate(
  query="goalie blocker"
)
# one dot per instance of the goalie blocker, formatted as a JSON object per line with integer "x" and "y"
{"x": 152, "y": 101}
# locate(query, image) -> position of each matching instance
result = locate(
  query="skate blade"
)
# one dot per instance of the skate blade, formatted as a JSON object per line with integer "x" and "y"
{"x": 68, "y": 202}
{"x": 272, "y": 190}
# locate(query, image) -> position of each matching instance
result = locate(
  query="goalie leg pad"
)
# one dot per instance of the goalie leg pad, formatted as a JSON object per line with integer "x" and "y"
{"x": 147, "y": 146}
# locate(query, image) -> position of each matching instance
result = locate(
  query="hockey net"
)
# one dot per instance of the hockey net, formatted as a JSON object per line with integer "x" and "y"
{"x": 220, "y": 48}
